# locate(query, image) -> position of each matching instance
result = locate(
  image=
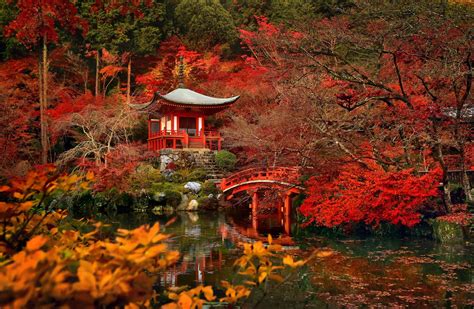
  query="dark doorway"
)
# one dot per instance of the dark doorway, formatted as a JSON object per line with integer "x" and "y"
{"x": 188, "y": 124}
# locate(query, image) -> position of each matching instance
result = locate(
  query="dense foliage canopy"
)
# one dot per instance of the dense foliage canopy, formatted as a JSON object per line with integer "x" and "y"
{"x": 361, "y": 92}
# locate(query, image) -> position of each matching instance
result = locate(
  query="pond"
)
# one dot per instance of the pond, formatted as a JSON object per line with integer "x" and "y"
{"x": 373, "y": 272}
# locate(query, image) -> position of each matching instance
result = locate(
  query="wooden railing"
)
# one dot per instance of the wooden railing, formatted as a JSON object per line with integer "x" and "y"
{"x": 213, "y": 140}
{"x": 207, "y": 139}
{"x": 286, "y": 174}
{"x": 158, "y": 140}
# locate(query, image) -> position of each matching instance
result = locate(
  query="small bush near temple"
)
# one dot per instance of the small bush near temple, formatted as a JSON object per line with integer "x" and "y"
{"x": 226, "y": 160}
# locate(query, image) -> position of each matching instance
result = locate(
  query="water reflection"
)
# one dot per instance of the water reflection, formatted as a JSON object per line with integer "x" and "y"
{"x": 363, "y": 272}
{"x": 413, "y": 275}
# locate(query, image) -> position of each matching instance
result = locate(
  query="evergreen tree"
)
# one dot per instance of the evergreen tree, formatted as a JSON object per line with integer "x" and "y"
{"x": 125, "y": 29}
{"x": 205, "y": 23}
{"x": 9, "y": 46}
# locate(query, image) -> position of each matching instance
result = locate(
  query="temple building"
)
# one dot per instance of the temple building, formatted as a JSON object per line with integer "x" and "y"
{"x": 177, "y": 120}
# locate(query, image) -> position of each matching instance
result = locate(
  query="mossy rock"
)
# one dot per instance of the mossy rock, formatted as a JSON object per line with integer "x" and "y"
{"x": 206, "y": 203}
{"x": 166, "y": 186}
{"x": 447, "y": 232}
{"x": 186, "y": 175}
{"x": 173, "y": 198}
{"x": 209, "y": 187}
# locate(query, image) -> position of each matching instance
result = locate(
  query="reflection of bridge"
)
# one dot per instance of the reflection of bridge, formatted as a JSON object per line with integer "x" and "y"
{"x": 284, "y": 180}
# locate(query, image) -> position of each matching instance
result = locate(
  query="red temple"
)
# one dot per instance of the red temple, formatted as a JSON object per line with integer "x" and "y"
{"x": 177, "y": 120}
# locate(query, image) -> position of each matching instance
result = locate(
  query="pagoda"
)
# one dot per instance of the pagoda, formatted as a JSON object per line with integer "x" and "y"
{"x": 177, "y": 120}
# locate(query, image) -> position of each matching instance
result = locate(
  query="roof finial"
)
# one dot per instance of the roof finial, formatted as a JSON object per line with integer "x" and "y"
{"x": 181, "y": 72}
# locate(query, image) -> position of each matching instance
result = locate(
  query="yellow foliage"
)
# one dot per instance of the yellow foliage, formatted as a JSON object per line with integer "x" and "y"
{"x": 44, "y": 265}
{"x": 234, "y": 293}
{"x": 26, "y": 214}
{"x": 288, "y": 260}
{"x": 70, "y": 269}
{"x": 193, "y": 298}
{"x": 259, "y": 264}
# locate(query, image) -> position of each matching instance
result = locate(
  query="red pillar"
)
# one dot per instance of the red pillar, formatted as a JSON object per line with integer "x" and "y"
{"x": 287, "y": 213}
{"x": 254, "y": 210}
{"x": 172, "y": 123}
{"x": 149, "y": 135}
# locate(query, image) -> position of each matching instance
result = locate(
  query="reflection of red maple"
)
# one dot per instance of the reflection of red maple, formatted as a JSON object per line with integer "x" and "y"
{"x": 460, "y": 215}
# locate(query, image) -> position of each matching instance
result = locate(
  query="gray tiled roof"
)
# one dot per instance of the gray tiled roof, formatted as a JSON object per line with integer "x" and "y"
{"x": 186, "y": 97}
{"x": 189, "y": 97}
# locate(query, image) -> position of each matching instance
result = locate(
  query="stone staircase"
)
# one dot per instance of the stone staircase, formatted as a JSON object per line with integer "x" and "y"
{"x": 206, "y": 160}
{"x": 203, "y": 158}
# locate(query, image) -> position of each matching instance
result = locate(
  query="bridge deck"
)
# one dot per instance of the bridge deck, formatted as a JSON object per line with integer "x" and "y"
{"x": 282, "y": 176}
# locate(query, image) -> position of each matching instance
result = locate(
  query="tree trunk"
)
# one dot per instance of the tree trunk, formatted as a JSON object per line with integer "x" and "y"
{"x": 44, "y": 103}
{"x": 438, "y": 150}
{"x": 129, "y": 75}
{"x": 41, "y": 103}
{"x": 86, "y": 79}
{"x": 465, "y": 179}
{"x": 97, "y": 73}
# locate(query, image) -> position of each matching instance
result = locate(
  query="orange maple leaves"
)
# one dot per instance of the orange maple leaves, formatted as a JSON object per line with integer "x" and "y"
{"x": 43, "y": 264}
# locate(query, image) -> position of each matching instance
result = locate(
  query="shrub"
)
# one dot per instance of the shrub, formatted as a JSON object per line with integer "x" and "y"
{"x": 208, "y": 187}
{"x": 163, "y": 186}
{"x": 185, "y": 175}
{"x": 197, "y": 174}
{"x": 173, "y": 198}
{"x": 144, "y": 176}
{"x": 225, "y": 160}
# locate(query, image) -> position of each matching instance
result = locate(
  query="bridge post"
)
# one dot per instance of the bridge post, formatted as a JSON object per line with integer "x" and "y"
{"x": 254, "y": 209}
{"x": 287, "y": 213}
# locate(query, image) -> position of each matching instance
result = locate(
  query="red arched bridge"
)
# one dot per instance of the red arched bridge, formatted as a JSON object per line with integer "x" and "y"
{"x": 284, "y": 180}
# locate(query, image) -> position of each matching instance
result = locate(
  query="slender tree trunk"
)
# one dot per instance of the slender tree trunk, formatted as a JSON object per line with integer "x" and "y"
{"x": 86, "y": 79}
{"x": 97, "y": 73}
{"x": 41, "y": 104}
{"x": 44, "y": 103}
{"x": 129, "y": 77}
{"x": 438, "y": 150}
{"x": 465, "y": 179}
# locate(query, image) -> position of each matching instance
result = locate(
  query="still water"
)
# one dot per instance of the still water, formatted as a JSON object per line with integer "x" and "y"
{"x": 370, "y": 272}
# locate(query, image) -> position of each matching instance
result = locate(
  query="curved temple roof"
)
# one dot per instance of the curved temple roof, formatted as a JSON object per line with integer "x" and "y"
{"x": 187, "y": 97}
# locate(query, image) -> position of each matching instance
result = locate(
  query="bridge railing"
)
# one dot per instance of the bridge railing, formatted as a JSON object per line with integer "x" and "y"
{"x": 287, "y": 174}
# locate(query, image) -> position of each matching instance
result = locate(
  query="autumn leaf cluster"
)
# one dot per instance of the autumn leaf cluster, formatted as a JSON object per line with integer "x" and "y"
{"x": 43, "y": 263}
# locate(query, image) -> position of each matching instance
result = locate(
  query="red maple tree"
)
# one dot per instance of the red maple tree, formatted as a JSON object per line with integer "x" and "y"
{"x": 369, "y": 195}
{"x": 37, "y": 24}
